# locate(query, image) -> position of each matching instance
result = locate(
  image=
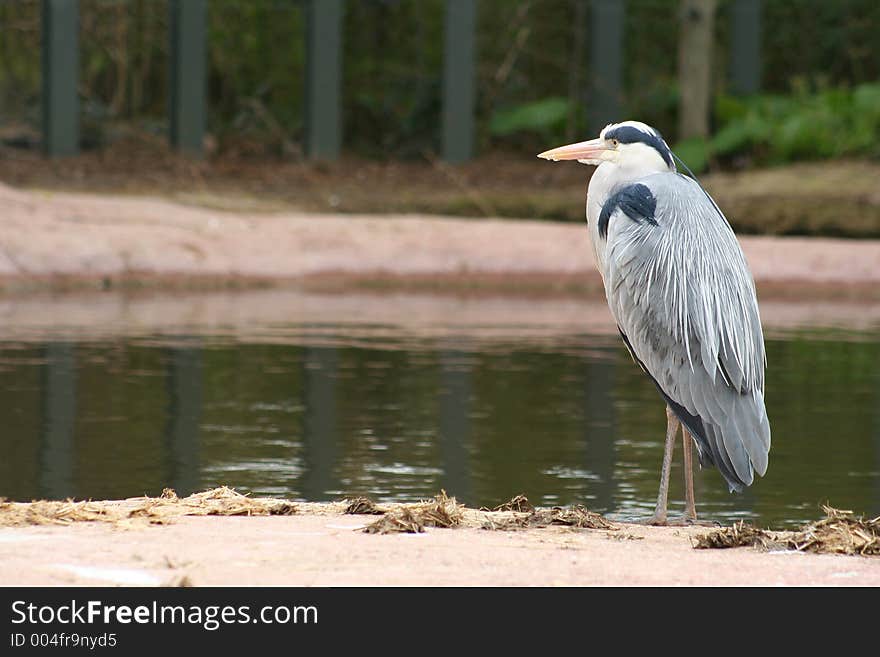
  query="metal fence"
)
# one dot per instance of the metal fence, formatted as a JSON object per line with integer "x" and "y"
{"x": 610, "y": 54}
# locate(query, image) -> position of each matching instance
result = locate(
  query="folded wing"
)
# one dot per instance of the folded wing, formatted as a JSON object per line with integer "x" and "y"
{"x": 684, "y": 300}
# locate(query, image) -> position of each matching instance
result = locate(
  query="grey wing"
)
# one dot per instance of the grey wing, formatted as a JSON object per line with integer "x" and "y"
{"x": 684, "y": 299}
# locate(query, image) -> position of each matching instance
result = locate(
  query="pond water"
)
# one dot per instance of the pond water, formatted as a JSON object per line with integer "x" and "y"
{"x": 321, "y": 409}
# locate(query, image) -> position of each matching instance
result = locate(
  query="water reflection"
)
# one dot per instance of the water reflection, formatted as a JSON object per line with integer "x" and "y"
{"x": 318, "y": 411}
{"x": 320, "y": 433}
{"x": 183, "y": 389}
{"x": 58, "y": 420}
{"x": 454, "y": 427}
{"x": 599, "y": 430}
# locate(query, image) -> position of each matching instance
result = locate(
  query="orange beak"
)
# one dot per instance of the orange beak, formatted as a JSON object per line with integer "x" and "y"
{"x": 588, "y": 152}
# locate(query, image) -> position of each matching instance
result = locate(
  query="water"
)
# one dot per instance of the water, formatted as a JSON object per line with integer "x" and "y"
{"x": 123, "y": 402}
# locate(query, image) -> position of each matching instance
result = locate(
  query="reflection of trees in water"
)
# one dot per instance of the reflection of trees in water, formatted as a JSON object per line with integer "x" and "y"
{"x": 454, "y": 427}
{"x": 599, "y": 427}
{"x": 320, "y": 433}
{"x": 122, "y": 419}
{"x": 184, "y": 387}
{"x": 531, "y": 427}
{"x": 822, "y": 398}
{"x": 57, "y": 444}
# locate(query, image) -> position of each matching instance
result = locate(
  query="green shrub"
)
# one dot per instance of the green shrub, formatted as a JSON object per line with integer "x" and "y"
{"x": 544, "y": 117}
{"x": 777, "y": 129}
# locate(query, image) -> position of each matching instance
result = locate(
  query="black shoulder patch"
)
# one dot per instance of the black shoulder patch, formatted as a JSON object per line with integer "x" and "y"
{"x": 636, "y": 201}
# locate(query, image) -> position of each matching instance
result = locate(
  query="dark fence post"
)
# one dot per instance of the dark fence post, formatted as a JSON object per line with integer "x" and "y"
{"x": 323, "y": 80}
{"x": 458, "y": 80}
{"x": 188, "y": 29}
{"x": 745, "y": 47}
{"x": 606, "y": 64}
{"x": 60, "y": 64}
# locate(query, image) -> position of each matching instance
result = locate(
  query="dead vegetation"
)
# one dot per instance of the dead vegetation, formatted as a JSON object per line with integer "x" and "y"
{"x": 53, "y": 513}
{"x": 445, "y": 511}
{"x": 516, "y": 503}
{"x": 574, "y": 516}
{"x": 740, "y": 534}
{"x": 221, "y": 501}
{"x": 442, "y": 511}
{"x": 519, "y": 513}
{"x": 363, "y": 506}
{"x": 160, "y": 510}
{"x": 577, "y": 517}
{"x": 839, "y": 532}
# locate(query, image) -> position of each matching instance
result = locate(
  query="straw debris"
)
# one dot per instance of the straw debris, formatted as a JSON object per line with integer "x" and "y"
{"x": 839, "y": 532}
{"x": 401, "y": 520}
{"x": 740, "y": 534}
{"x": 363, "y": 506}
{"x": 225, "y": 501}
{"x": 519, "y": 503}
{"x": 41, "y": 512}
{"x": 503, "y": 521}
{"x": 160, "y": 510}
{"x": 579, "y": 517}
{"x": 442, "y": 511}
{"x": 574, "y": 516}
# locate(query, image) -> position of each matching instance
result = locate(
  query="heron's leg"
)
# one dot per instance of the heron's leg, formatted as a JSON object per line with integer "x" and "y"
{"x": 690, "y": 509}
{"x": 659, "y": 517}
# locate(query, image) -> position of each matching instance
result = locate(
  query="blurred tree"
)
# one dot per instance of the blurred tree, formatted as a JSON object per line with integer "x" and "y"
{"x": 695, "y": 67}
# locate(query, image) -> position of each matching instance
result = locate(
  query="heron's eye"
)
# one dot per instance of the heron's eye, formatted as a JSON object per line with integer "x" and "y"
{"x": 615, "y": 143}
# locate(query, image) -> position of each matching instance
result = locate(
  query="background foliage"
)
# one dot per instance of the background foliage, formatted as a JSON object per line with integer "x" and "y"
{"x": 821, "y": 63}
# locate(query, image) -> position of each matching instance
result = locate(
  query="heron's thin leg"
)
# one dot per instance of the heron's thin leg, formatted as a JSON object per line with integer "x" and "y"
{"x": 659, "y": 517}
{"x": 690, "y": 509}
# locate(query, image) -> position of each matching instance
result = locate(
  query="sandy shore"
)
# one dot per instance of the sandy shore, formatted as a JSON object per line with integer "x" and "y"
{"x": 55, "y": 239}
{"x": 318, "y": 546}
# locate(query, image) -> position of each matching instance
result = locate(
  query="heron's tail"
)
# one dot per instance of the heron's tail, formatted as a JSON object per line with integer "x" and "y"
{"x": 732, "y": 432}
{"x": 738, "y": 445}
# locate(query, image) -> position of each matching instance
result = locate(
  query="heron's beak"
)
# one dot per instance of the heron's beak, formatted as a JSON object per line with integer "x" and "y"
{"x": 594, "y": 151}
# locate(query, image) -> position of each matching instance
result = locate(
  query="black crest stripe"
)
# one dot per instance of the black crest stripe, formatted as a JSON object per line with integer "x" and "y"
{"x": 627, "y": 134}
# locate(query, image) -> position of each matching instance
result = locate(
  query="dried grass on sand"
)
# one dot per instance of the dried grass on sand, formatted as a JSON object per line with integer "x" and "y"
{"x": 445, "y": 511}
{"x": 160, "y": 510}
{"x": 839, "y": 532}
{"x": 442, "y": 511}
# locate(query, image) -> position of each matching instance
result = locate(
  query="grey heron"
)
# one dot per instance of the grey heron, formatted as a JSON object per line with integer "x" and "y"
{"x": 680, "y": 290}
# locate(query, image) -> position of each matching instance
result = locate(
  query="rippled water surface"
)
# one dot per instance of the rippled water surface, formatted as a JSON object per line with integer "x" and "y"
{"x": 317, "y": 410}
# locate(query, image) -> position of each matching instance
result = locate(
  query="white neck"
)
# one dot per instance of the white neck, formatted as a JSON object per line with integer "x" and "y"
{"x": 634, "y": 162}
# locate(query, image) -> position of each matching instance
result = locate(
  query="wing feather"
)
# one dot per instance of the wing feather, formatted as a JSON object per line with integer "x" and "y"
{"x": 684, "y": 299}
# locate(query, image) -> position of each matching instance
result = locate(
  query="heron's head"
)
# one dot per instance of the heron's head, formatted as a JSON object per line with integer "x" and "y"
{"x": 630, "y": 144}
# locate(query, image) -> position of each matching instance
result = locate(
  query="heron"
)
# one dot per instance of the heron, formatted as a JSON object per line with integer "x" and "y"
{"x": 679, "y": 287}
